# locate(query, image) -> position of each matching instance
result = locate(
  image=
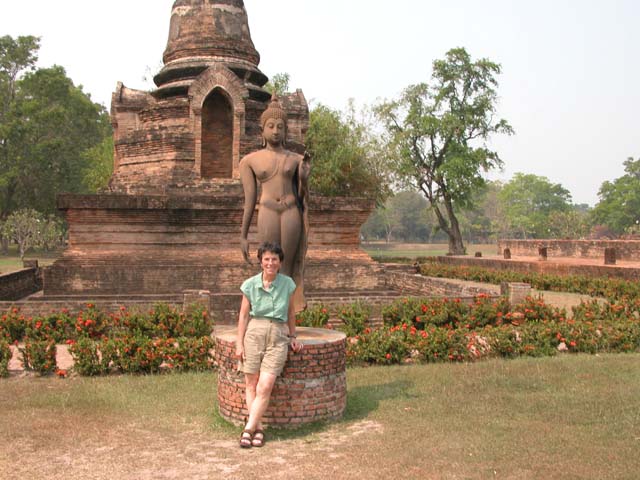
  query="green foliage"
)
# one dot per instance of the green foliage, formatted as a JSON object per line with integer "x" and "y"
{"x": 619, "y": 205}
{"x": 46, "y": 123}
{"x": 39, "y": 356}
{"x": 354, "y": 317}
{"x": 12, "y": 325}
{"x": 438, "y": 135}
{"x": 528, "y": 201}
{"x": 29, "y": 229}
{"x": 404, "y": 216}
{"x": 5, "y": 357}
{"x": 189, "y": 354}
{"x": 98, "y": 165}
{"x": 316, "y": 316}
{"x": 345, "y": 160}
{"x": 279, "y": 84}
{"x": 87, "y": 357}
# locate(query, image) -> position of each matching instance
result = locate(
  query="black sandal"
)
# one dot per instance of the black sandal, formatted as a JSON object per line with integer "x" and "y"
{"x": 246, "y": 439}
{"x": 258, "y": 441}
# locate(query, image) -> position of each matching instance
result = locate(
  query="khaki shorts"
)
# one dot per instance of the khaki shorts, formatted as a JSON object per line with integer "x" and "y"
{"x": 266, "y": 345}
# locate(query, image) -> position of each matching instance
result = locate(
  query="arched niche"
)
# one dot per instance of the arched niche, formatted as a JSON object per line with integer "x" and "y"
{"x": 216, "y": 136}
{"x": 217, "y": 90}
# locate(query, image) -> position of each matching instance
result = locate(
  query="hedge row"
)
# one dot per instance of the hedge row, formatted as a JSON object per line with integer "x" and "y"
{"x": 613, "y": 289}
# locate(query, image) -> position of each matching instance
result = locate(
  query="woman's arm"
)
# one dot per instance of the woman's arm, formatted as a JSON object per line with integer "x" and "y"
{"x": 293, "y": 337}
{"x": 250, "y": 195}
{"x": 243, "y": 321}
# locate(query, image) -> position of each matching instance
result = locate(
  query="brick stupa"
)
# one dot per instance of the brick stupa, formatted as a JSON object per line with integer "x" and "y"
{"x": 170, "y": 220}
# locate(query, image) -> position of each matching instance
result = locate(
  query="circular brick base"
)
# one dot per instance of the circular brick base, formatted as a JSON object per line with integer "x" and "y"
{"x": 312, "y": 387}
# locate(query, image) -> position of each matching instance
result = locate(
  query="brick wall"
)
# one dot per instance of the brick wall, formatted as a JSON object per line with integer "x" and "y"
{"x": 312, "y": 387}
{"x": 16, "y": 285}
{"x": 628, "y": 250}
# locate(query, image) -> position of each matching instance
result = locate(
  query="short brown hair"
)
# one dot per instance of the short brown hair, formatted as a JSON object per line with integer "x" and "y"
{"x": 272, "y": 247}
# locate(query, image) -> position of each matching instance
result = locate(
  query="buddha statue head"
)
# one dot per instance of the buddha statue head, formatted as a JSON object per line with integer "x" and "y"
{"x": 273, "y": 123}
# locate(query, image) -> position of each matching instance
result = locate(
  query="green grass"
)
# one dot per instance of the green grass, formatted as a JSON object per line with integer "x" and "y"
{"x": 11, "y": 263}
{"x": 414, "y": 250}
{"x": 573, "y": 416}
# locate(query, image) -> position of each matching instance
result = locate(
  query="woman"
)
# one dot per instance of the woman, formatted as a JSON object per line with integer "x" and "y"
{"x": 283, "y": 177}
{"x": 266, "y": 328}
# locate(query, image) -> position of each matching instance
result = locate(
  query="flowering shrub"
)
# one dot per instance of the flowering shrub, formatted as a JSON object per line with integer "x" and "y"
{"x": 132, "y": 354}
{"x": 354, "y": 318}
{"x": 12, "y": 325}
{"x": 57, "y": 327}
{"x": 87, "y": 357}
{"x": 39, "y": 356}
{"x": 188, "y": 354}
{"x": 380, "y": 346}
{"x": 316, "y": 316}
{"x": 91, "y": 322}
{"x": 172, "y": 323}
{"x": 5, "y": 357}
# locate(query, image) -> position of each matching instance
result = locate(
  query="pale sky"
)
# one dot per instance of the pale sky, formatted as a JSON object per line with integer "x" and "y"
{"x": 570, "y": 83}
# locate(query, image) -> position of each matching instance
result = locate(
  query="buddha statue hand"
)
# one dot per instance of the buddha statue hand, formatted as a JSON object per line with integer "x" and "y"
{"x": 244, "y": 247}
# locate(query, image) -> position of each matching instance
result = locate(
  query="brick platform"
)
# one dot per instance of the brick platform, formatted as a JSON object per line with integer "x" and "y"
{"x": 312, "y": 387}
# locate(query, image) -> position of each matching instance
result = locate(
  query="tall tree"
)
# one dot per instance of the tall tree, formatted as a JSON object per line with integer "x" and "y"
{"x": 438, "y": 133}
{"x": 50, "y": 123}
{"x": 619, "y": 205}
{"x": 345, "y": 155}
{"x": 528, "y": 201}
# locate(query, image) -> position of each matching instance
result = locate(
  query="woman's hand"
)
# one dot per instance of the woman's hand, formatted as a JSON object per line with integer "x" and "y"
{"x": 296, "y": 346}
{"x": 239, "y": 351}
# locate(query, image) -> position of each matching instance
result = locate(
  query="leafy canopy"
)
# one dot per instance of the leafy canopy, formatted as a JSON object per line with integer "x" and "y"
{"x": 619, "y": 205}
{"x": 437, "y": 135}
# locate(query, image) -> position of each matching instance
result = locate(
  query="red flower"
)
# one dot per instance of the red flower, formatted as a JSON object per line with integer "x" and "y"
{"x": 388, "y": 356}
{"x": 423, "y": 308}
{"x": 70, "y": 342}
{"x": 61, "y": 373}
{"x": 38, "y": 324}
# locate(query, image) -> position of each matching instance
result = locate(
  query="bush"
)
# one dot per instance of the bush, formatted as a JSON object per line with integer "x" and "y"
{"x": 87, "y": 357}
{"x": 12, "y": 325}
{"x": 315, "y": 317}
{"x": 39, "y": 356}
{"x": 57, "y": 327}
{"x": 5, "y": 357}
{"x": 91, "y": 323}
{"x": 354, "y": 318}
{"x": 132, "y": 354}
{"x": 173, "y": 324}
{"x": 188, "y": 354}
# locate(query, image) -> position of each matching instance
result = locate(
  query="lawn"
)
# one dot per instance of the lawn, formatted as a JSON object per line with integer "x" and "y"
{"x": 572, "y": 417}
{"x": 414, "y": 250}
{"x": 11, "y": 263}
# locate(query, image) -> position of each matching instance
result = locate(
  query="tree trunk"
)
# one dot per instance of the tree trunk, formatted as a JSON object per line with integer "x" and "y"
{"x": 456, "y": 245}
{"x": 4, "y": 242}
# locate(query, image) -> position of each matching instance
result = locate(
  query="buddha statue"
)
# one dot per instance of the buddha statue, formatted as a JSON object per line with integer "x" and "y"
{"x": 282, "y": 207}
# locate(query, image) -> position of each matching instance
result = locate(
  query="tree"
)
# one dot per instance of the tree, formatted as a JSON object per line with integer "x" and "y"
{"x": 619, "y": 205}
{"x": 24, "y": 227}
{"x": 98, "y": 165}
{"x": 404, "y": 216}
{"x": 16, "y": 56}
{"x": 279, "y": 84}
{"x": 345, "y": 156}
{"x": 527, "y": 202}
{"x": 50, "y": 124}
{"x": 437, "y": 135}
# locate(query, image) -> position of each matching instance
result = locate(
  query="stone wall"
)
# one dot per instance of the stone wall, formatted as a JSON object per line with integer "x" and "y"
{"x": 628, "y": 250}
{"x": 16, "y": 285}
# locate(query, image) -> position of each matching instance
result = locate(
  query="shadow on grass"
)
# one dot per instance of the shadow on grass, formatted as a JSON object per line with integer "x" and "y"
{"x": 360, "y": 402}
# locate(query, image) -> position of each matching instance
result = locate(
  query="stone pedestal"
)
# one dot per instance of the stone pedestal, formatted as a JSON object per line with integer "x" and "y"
{"x": 166, "y": 244}
{"x": 312, "y": 387}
